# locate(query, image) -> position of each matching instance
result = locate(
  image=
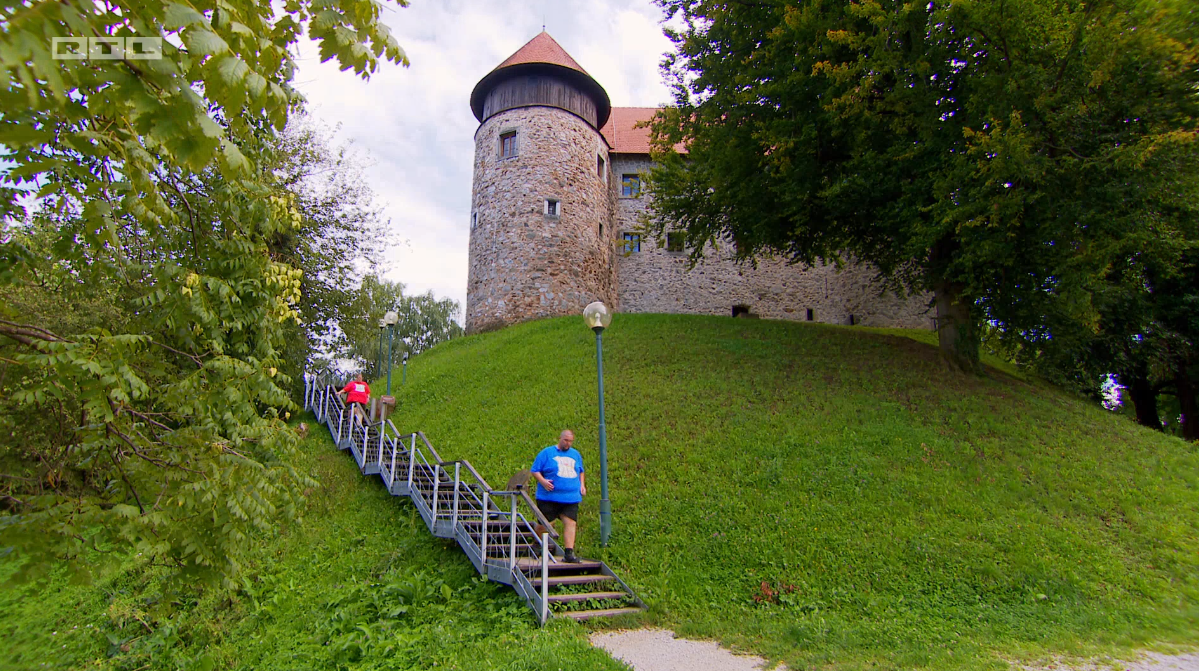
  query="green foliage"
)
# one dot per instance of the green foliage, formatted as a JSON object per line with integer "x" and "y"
{"x": 153, "y": 422}
{"x": 999, "y": 155}
{"x": 423, "y": 322}
{"x": 899, "y": 517}
{"x": 341, "y": 232}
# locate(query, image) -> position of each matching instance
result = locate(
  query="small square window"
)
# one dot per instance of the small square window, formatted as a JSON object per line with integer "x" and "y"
{"x": 632, "y": 242}
{"x": 599, "y": 168}
{"x": 508, "y": 144}
{"x": 553, "y": 208}
{"x": 674, "y": 242}
{"x": 630, "y": 186}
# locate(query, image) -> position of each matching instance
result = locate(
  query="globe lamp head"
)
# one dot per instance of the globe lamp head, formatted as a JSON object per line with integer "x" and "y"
{"x": 597, "y": 316}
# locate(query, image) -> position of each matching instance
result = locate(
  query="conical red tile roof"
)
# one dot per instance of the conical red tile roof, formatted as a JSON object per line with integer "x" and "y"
{"x": 539, "y": 56}
{"x": 542, "y": 49}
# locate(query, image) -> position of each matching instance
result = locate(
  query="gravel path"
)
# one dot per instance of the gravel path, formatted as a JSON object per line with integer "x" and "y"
{"x": 1149, "y": 661}
{"x": 659, "y": 650}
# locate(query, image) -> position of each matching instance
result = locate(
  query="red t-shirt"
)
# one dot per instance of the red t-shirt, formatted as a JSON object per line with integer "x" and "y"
{"x": 358, "y": 392}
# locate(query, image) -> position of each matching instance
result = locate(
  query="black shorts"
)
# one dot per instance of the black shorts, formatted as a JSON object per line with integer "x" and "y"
{"x": 555, "y": 509}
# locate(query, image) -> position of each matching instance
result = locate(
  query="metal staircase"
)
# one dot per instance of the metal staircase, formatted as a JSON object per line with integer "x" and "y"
{"x": 496, "y": 529}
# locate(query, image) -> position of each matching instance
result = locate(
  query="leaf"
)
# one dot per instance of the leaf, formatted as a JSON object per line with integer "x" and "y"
{"x": 200, "y": 41}
{"x": 179, "y": 16}
{"x": 232, "y": 69}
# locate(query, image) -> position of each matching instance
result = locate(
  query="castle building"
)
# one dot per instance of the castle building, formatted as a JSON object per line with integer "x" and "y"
{"x": 555, "y": 210}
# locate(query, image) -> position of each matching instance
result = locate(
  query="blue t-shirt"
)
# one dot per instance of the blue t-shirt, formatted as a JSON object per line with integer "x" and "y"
{"x": 562, "y": 468}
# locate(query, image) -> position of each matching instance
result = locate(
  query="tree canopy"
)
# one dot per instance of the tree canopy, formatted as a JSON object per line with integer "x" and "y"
{"x": 999, "y": 155}
{"x": 148, "y": 276}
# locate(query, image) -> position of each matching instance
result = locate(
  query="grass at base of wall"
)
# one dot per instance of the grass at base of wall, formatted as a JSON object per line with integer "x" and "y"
{"x": 834, "y": 496}
{"x": 358, "y": 583}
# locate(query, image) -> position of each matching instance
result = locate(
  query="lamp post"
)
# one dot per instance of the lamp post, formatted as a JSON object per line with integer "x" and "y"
{"x": 379, "y": 360}
{"x": 597, "y": 316}
{"x": 390, "y": 318}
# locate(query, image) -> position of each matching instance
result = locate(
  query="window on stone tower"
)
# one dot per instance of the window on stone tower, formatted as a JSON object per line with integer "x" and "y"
{"x": 599, "y": 168}
{"x": 674, "y": 242}
{"x": 630, "y": 186}
{"x": 553, "y": 208}
{"x": 474, "y": 220}
{"x": 508, "y": 144}
{"x": 632, "y": 242}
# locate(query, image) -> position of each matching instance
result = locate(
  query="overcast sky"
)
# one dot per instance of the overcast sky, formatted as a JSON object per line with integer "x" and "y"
{"x": 416, "y": 125}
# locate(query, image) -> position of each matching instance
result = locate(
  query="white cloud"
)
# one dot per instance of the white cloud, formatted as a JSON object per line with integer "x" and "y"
{"x": 416, "y": 122}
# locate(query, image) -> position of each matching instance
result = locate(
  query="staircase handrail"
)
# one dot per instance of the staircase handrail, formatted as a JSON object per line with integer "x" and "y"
{"x": 437, "y": 460}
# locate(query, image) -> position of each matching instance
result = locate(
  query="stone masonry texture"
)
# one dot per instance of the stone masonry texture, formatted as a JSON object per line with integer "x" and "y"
{"x": 524, "y": 263}
{"x": 657, "y": 280}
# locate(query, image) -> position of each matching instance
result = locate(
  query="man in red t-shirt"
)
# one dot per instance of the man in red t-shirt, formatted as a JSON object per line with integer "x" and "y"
{"x": 358, "y": 394}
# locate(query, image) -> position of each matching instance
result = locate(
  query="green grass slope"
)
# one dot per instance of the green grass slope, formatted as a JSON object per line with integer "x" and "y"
{"x": 832, "y": 496}
{"x": 358, "y": 584}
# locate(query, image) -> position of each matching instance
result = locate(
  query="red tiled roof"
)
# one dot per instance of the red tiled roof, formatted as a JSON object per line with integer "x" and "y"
{"x": 542, "y": 49}
{"x": 622, "y": 134}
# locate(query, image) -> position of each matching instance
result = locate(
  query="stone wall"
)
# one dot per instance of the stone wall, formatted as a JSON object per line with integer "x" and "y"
{"x": 656, "y": 280}
{"x": 523, "y": 263}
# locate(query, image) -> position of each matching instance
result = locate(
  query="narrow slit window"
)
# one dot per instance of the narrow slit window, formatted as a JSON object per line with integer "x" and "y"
{"x": 810, "y": 314}
{"x": 474, "y": 220}
{"x": 599, "y": 168}
{"x": 508, "y": 144}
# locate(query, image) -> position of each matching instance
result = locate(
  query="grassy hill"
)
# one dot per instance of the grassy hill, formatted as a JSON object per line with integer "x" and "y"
{"x": 832, "y": 495}
{"x": 358, "y": 584}
{"x": 820, "y": 495}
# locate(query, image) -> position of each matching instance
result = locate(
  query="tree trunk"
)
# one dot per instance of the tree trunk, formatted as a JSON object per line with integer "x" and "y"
{"x": 1144, "y": 400}
{"x": 1185, "y": 388}
{"x": 957, "y": 332}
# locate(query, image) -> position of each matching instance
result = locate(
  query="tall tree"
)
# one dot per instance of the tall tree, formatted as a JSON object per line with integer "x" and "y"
{"x": 991, "y": 153}
{"x": 424, "y": 321}
{"x": 339, "y": 240}
{"x": 157, "y": 426}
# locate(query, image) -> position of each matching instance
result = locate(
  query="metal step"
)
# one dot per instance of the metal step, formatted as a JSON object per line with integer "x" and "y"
{"x": 564, "y": 598}
{"x": 607, "y": 612}
{"x": 559, "y": 565}
{"x": 573, "y": 579}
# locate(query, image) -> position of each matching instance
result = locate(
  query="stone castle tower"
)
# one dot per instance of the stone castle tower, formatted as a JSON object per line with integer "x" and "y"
{"x": 540, "y": 241}
{"x": 555, "y": 210}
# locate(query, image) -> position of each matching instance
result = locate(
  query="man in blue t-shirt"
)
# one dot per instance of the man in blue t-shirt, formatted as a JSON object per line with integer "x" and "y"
{"x": 560, "y": 486}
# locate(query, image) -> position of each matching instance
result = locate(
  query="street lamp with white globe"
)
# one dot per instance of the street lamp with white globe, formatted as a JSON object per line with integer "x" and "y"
{"x": 597, "y": 316}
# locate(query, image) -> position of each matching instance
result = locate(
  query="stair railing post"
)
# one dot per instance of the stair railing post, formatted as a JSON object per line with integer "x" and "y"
{"x": 340, "y": 416}
{"x": 457, "y": 485}
{"x": 393, "y": 462}
{"x": 545, "y": 577}
{"x": 411, "y": 463}
{"x": 436, "y": 486}
{"x": 366, "y": 436}
{"x": 486, "y": 528}
{"x": 382, "y": 434}
{"x": 512, "y": 537}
